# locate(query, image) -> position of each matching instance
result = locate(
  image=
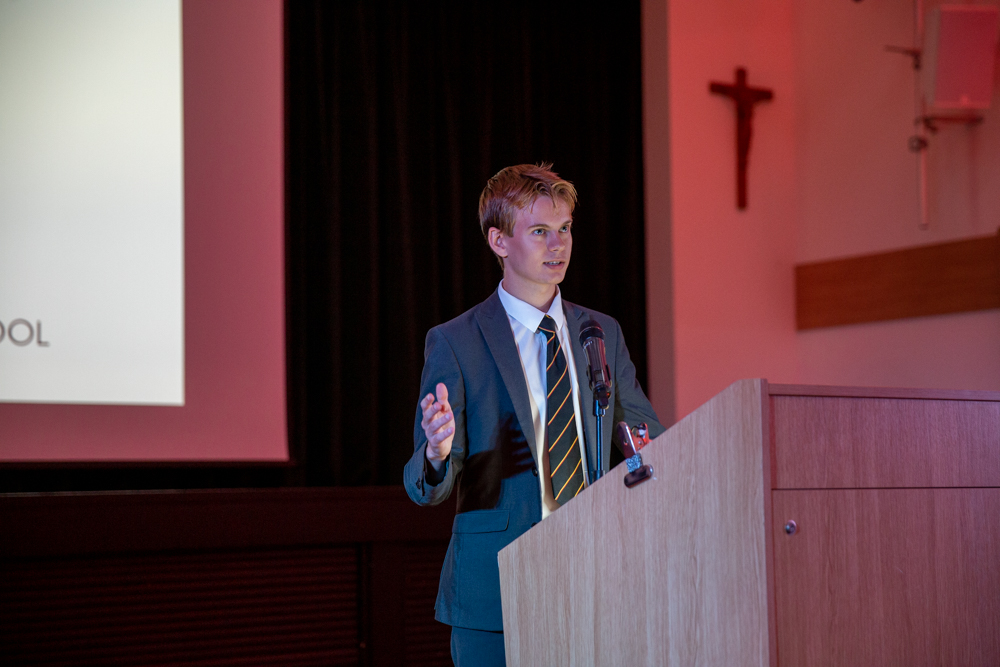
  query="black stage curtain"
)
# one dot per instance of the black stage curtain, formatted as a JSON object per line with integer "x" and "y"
{"x": 398, "y": 113}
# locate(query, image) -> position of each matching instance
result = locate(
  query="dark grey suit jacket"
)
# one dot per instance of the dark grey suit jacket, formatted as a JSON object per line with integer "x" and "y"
{"x": 493, "y": 463}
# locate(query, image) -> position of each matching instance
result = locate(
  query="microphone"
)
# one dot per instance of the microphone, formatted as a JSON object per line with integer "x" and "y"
{"x": 592, "y": 340}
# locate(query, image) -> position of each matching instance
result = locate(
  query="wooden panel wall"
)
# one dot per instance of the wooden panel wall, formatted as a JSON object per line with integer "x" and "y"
{"x": 276, "y": 577}
{"x": 930, "y": 280}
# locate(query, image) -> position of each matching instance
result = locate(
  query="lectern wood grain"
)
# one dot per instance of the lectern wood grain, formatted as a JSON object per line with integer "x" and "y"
{"x": 677, "y": 574}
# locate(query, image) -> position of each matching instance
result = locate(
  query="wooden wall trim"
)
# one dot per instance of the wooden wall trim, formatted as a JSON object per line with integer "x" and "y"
{"x": 938, "y": 279}
{"x": 58, "y": 524}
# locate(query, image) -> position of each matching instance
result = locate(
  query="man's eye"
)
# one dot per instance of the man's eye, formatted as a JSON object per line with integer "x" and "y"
{"x": 565, "y": 228}
{"x": 538, "y": 232}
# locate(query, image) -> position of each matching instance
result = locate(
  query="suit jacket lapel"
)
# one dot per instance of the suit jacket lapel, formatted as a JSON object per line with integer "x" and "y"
{"x": 493, "y": 322}
{"x": 575, "y": 316}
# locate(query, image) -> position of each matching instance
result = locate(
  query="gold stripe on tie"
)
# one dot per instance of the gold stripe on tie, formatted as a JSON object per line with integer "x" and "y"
{"x": 560, "y": 436}
{"x": 569, "y": 478}
{"x": 557, "y": 382}
{"x": 559, "y": 408}
{"x": 563, "y": 460}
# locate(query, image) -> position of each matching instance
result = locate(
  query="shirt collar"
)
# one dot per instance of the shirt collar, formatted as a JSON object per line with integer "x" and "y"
{"x": 527, "y": 314}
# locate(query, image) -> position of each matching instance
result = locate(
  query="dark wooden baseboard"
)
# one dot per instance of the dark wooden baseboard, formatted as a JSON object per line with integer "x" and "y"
{"x": 938, "y": 279}
{"x": 226, "y": 577}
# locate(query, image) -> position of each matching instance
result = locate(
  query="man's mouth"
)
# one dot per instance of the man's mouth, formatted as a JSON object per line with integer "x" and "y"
{"x": 556, "y": 262}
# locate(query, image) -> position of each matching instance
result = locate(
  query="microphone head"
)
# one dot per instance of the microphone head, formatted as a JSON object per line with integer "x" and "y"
{"x": 590, "y": 329}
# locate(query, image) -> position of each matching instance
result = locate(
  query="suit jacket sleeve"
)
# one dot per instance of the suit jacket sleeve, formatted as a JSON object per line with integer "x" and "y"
{"x": 631, "y": 404}
{"x": 440, "y": 365}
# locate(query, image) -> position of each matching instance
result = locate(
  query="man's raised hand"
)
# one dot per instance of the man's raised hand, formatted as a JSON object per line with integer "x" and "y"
{"x": 439, "y": 425}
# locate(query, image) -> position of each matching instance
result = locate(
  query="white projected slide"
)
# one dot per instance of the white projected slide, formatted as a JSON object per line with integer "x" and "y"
{"x": 91, "y": 202}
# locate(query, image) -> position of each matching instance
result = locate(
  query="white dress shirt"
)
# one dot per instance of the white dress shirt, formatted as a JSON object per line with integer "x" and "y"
{"x": 531, "y": 346}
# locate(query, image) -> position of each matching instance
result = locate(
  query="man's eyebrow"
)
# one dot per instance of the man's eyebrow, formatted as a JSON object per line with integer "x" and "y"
{"x": 545, "y": 225}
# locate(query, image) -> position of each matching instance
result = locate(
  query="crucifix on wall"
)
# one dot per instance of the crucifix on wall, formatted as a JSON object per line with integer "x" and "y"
{"x": 745, "y": 98}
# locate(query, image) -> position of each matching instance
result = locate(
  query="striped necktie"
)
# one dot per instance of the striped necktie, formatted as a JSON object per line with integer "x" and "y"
{"x": 565, "y": 467}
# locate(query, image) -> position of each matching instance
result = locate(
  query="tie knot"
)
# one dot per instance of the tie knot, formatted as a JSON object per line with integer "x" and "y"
{"x": 548, "y": 325}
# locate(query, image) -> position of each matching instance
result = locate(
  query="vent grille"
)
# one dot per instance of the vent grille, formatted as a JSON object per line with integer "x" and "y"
{"x": 282, "y": 606}
{"x": 428, "y": 643}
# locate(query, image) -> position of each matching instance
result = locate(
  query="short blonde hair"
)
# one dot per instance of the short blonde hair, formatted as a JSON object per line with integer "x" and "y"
{"x": 516, "y": 188}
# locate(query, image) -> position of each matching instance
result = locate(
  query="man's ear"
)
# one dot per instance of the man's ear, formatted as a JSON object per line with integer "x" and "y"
{"x": 497, "y": 241}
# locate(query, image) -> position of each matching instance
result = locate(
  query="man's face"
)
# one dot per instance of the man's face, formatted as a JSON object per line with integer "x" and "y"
{"x": 536, "y": 256}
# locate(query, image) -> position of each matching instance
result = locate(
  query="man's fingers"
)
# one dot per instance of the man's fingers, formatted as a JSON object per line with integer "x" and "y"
{"x": 431, "y": 410}
{"x": 438, "y": 420}
{"x": 427, "y": 405}
{"x": 430, "y": 407}
{"x": 441, "y": 420}
{"x": 437, "y": 438}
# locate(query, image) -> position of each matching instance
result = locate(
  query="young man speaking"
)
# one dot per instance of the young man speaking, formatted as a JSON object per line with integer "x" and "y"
{"x": 506, "y": 416}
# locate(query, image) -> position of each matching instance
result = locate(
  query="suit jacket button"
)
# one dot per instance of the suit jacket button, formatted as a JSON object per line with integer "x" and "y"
{"x": 534, "y": 470}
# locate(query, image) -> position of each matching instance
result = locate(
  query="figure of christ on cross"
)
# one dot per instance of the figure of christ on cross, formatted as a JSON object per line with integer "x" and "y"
{"x": 745, "y": 98}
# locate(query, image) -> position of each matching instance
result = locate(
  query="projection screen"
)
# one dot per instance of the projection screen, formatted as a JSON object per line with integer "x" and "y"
{"x": 91, "y": 202}
{"x": 142, "y": 231}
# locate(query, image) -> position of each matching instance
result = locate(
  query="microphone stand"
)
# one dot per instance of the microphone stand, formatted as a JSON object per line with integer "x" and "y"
{"x": 592, "y": 341}
{"x": 601, "y": 400}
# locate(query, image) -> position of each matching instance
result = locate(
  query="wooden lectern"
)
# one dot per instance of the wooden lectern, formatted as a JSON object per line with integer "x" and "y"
{"x": 786, "y": 525}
